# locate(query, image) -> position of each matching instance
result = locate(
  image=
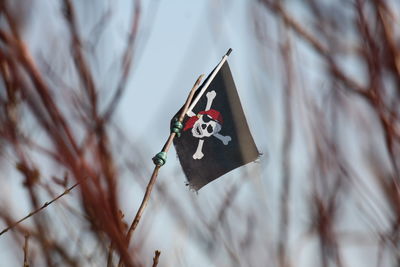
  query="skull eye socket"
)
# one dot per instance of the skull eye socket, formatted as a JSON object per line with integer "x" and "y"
{"x": 207, "y": 118}
{"x": 210, "y": 129}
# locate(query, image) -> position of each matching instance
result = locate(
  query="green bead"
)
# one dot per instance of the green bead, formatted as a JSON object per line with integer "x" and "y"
{"x": 160, "y": 158}
{"x": 177, "y": 127}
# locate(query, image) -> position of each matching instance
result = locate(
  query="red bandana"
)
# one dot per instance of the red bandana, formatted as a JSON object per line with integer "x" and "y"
{"x": 216, "y": 115}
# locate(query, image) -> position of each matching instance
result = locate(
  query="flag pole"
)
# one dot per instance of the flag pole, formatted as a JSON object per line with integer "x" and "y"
{"x": 212, "y": 75}
{"x": 160, "y": 159}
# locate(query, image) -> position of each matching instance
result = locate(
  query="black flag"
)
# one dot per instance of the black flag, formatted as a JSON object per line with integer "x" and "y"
{"x": 216, "y": 138}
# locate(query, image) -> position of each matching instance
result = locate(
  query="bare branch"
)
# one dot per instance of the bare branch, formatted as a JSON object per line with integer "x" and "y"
{"x": 32, "y": 213}
{"x": 156, "y": 257}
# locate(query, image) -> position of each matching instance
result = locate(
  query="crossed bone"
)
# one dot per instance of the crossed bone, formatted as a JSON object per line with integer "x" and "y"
{"x": 225, "y": 139}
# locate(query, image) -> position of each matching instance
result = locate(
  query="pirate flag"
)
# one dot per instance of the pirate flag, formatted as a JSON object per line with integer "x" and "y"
{"x": 216, "y": 138}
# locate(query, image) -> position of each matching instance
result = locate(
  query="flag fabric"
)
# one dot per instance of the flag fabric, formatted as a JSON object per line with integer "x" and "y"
{"x": 215, "y": 138}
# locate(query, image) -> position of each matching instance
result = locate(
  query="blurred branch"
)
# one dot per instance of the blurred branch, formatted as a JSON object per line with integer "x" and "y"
{"x": 81, "y": 63}
{"x": 277, "y": 7}
{"x": 285, "y": 194}
{"x": 126, "y": 62}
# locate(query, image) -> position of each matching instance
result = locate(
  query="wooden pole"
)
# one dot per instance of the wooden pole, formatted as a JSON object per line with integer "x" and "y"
{"x": 153, "y": 178}
{"x": 209, "y": 80}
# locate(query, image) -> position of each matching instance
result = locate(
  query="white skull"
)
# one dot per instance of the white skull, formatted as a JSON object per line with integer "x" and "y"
{"x": 205, "y": 126}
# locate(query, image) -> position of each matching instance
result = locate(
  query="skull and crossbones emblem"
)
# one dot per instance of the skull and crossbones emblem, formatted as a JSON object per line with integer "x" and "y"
{"x": 205, "y": 124}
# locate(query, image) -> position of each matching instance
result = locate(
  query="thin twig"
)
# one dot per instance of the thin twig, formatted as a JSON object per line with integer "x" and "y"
{"x": 26, "y": 264}
{"x": 45, "y": 205}
{"x": 156, "y": 256}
